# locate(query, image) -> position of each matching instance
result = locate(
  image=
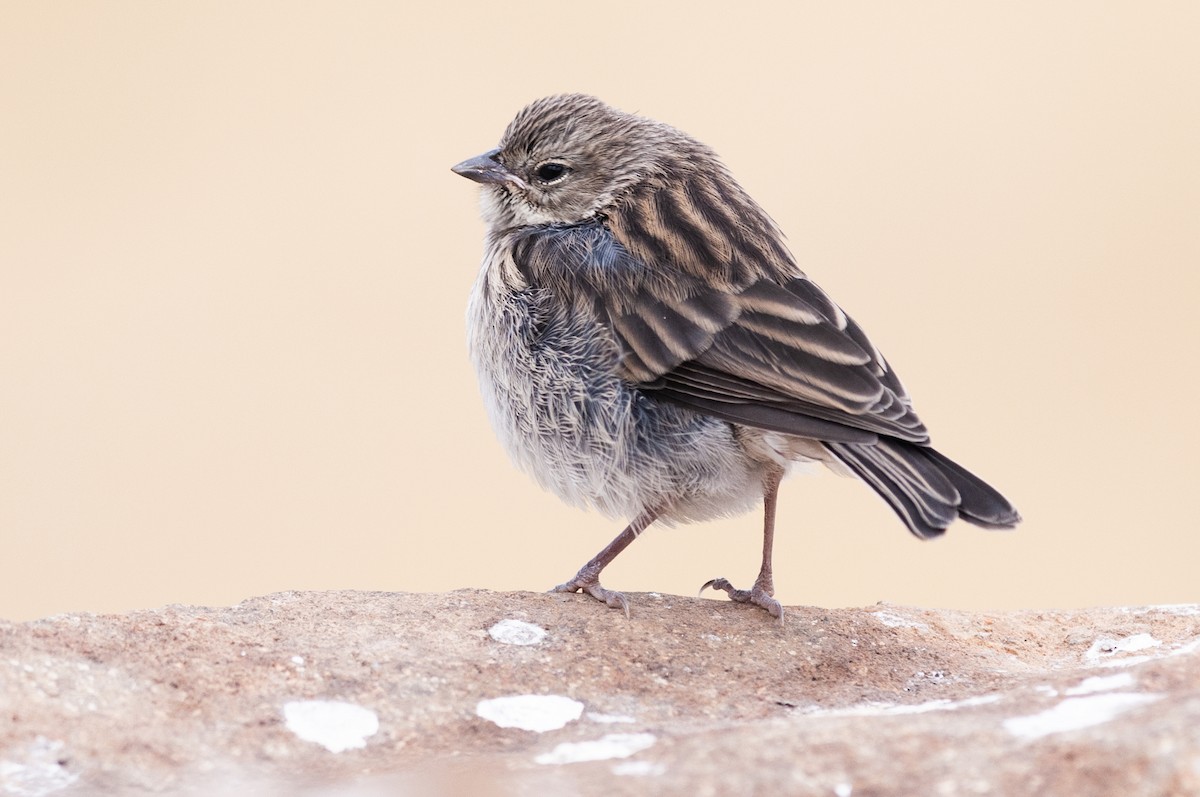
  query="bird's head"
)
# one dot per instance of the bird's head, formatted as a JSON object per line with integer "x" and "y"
{"x": 568, "y": 158}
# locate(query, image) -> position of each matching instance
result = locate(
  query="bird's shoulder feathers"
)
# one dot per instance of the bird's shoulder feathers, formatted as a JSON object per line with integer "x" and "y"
{"x": 744, "y": 336}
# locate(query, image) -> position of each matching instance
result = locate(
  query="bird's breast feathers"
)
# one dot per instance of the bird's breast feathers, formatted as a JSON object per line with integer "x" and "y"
{"x": 550, "y": 371}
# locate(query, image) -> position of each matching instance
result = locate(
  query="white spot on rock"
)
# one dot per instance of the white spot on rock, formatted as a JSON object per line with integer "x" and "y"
{"x": 1181, "y": 609}
{"x": 843, "y": 790}
{"x": 335, "y": 725}
{"x": 1075, "y": 713}
{"x": 887, "y": 709}
{"x": 1102, "y": 648}
{"x": 1190, "y": 647}
{"x": 614, "y": 745}
{"x": 36, "y": 772}
{"x": 517, "y": 632}
{"x": 538, "y": 713}
{"x": 1102, "y": 683}
{"x": 893, "y": 620}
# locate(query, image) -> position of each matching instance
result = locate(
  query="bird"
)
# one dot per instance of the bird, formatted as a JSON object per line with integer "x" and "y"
{"x": 647, "y": 346}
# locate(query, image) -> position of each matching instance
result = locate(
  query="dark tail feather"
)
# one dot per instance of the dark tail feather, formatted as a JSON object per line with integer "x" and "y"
{"x": 925, "y": 488}
{"x": 981, "y": 504}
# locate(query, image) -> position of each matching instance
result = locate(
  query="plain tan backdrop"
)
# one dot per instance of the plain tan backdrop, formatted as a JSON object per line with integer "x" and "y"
{"x": 234, "y": 266}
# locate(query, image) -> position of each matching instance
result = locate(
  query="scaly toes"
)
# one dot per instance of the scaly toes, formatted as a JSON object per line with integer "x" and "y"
{"x": 762, "y": 599}
{"x": 739, "y": 595}
{"x": 614, "y": 599}
{"x": 592, "y": 587}
{"x": 757, "y": 596}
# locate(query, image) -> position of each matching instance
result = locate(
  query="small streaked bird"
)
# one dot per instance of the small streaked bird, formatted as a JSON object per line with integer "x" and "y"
{"x": 646, "y": 344}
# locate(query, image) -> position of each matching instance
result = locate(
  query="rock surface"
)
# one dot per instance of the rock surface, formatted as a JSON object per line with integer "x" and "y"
{"x": 473, "y": 692}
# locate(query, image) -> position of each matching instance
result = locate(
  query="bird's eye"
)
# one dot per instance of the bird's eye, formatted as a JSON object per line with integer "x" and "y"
{"x": 551, "y": 172}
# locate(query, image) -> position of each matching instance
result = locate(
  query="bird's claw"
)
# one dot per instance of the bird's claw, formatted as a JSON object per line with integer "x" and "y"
{"x": 757, "y": 595}
{"x": 591, "y": 586}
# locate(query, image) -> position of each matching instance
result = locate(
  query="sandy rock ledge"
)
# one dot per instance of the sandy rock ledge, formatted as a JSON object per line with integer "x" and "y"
{"x": 474, "y": 692}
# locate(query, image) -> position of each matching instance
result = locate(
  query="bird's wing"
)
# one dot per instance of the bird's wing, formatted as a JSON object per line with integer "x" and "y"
{"x": 766, "y": 350}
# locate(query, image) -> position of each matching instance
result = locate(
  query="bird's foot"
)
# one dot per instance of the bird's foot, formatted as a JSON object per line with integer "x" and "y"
{"x": 758, "y": 595}
{"x": 589, "y": 584}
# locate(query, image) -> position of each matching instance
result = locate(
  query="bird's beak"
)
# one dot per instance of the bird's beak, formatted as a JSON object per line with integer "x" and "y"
{"x": 486, "y": 169}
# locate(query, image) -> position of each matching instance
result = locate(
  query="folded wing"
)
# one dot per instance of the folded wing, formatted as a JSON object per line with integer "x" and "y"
{"x": 777, "y": 354}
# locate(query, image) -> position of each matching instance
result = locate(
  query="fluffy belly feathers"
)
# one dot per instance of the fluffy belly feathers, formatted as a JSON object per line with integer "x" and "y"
{"x": 549, "y": 381}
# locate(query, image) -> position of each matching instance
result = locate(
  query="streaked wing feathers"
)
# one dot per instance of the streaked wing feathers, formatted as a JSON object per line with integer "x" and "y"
{"x": 774, "y": 352}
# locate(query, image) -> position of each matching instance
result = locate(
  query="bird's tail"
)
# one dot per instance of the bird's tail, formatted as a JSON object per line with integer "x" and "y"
{"x": 926, "y": 489}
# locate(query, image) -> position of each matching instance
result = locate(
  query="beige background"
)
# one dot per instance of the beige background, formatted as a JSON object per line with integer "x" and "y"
{"x": 234, "y": 266}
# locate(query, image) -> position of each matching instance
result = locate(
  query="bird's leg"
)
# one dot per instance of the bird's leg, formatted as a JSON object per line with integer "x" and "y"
{"x": 761, "y": 594}
{"x": 588, "y": 577}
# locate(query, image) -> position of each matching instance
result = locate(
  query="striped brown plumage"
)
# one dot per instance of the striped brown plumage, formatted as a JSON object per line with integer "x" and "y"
{"x": 634, "y": 298}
